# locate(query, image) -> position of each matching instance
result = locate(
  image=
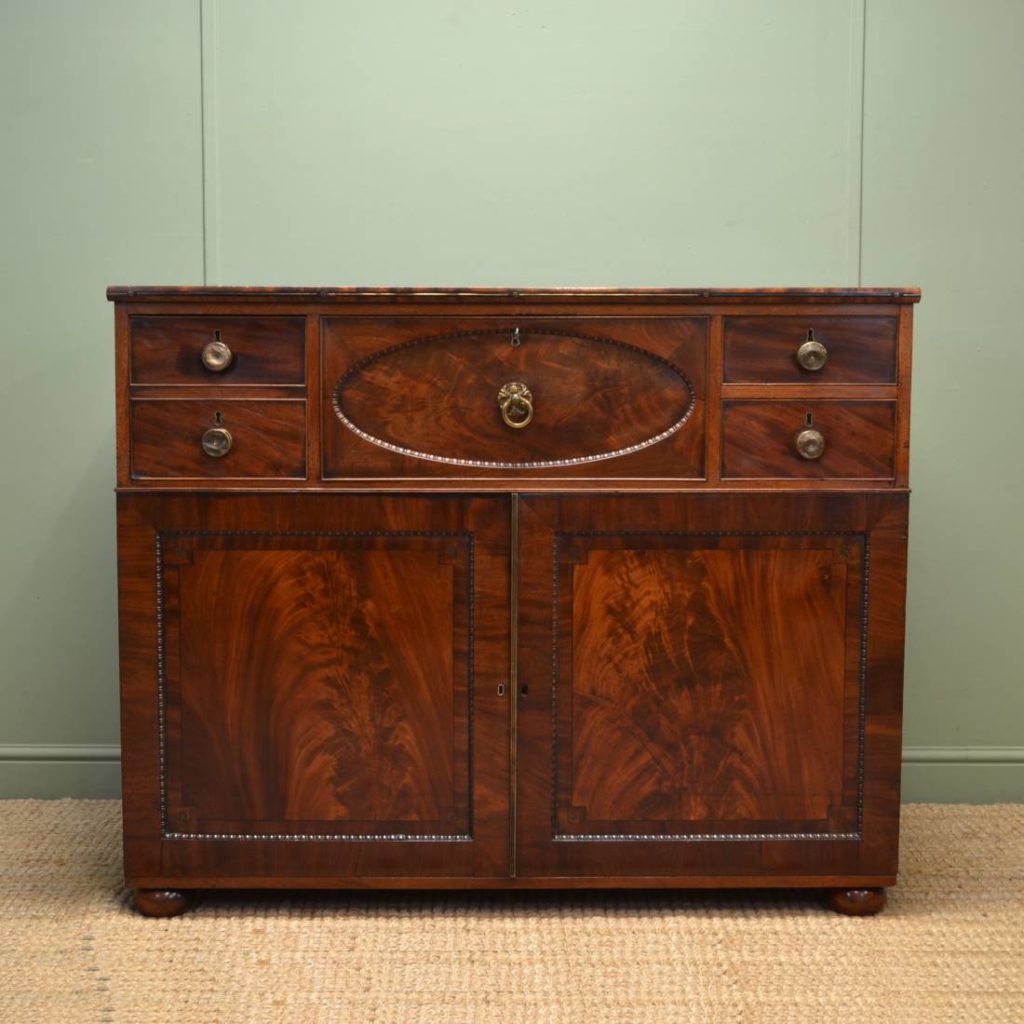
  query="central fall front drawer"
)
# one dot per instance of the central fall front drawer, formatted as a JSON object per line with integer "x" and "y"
{"x": 597, "y": 396}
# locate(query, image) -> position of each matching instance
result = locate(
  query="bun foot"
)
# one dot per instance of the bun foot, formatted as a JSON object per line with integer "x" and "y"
{"x": 160, "y": 902}
{"x": 856, "y": 902}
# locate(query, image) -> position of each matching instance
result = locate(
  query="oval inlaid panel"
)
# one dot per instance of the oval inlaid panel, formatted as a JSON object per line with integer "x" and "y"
{"x": 436, "y": 398}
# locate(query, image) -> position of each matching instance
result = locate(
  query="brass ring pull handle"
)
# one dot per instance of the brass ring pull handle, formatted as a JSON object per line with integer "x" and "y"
{"x": 810, "y": 444}
{"x": 217, "y": 356}
{"x": 812, "y": 355}
{"x": 515, "y": 400}
{"x": 217, "y": 442}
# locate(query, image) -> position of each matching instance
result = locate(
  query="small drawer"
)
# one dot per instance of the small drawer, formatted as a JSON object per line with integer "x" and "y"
{"x": 229, "y": 439}
{"x": 773, "y": 440}
{"x": 832, "y": 349}
{"x": 218, "y": 350}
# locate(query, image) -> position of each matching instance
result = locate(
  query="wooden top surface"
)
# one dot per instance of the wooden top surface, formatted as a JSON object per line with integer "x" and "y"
{"x": 349, "y": 294}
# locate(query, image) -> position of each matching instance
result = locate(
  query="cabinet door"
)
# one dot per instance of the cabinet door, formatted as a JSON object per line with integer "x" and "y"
{"x": 710, "y": 686}
{"x": 311, "y": 687}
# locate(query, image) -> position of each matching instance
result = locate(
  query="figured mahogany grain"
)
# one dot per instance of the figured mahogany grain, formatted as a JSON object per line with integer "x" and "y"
{"x": 344, "y": 705}
{"x": 310, "y": 685}
{"x": 591, "y": 396}
{"x": 697, "y": 664}
{"x": 265, "y": 349}
{"x": 762, "y": 349}
{"x": 712, "y": 684}
{"x": 600, "y": 387}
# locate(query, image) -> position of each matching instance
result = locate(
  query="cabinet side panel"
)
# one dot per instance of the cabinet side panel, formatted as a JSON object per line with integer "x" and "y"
{"x": 139, "y": 643}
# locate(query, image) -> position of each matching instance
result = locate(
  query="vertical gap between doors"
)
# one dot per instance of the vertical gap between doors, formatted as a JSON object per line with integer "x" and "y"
{"x": 513, "y": 675}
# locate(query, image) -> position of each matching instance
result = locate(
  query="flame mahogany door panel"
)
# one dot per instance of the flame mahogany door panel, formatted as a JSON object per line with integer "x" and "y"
{"x": 326, "y": 686}
{"x": 709, "y": 685}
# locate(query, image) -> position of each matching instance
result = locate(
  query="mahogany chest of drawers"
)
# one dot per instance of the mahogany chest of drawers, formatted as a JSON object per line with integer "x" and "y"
{"x": 492, "y": 588}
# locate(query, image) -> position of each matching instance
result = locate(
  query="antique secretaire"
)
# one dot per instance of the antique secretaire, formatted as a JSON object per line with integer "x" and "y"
{"x": 511, "y": 588}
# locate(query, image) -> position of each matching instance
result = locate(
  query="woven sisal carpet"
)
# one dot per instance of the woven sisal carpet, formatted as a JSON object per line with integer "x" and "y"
{"x": 950, "y": 946}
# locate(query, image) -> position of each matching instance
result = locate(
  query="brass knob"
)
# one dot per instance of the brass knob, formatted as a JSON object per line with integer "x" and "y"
{"x": 812, "y": 355}
{"x": 810, "y": 443}
{"x": 217, "y": 356}
{"x": 217, "y": 442}
{"x": 515, "y": 400}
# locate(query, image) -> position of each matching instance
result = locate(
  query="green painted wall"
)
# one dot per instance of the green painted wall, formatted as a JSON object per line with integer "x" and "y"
{"x": 944, "y": 206}
{"x": 100, "y": 132}
{"x": 707, "y": 142}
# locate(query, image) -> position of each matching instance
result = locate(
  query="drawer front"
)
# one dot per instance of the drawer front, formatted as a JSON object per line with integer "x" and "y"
{"x": 598, "y": 397}
{"x": 760, "y": 440}
{"x": 251, "y": 350}
{"x": 261, "y": 438}
{"x": 767, "y": 349}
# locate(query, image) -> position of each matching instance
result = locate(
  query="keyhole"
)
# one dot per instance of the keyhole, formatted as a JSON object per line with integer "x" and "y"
{"x": 809, "y": 419}
{"x": 524, "y": 689}
{"x": 501, "y": 689}
{"x": 218, "y": 418}
{"x": 216, "y": 335}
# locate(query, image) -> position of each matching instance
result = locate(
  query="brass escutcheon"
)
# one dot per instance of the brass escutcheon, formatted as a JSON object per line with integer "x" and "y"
{"x": 515, "y": 400}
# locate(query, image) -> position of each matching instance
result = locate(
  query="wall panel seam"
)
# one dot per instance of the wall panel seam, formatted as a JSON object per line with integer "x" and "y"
{"x": 202, "y": 138}
{"x": 855, "y": 142}
{"x": 208, "y": 41}
{"x": 863, "y": 108}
